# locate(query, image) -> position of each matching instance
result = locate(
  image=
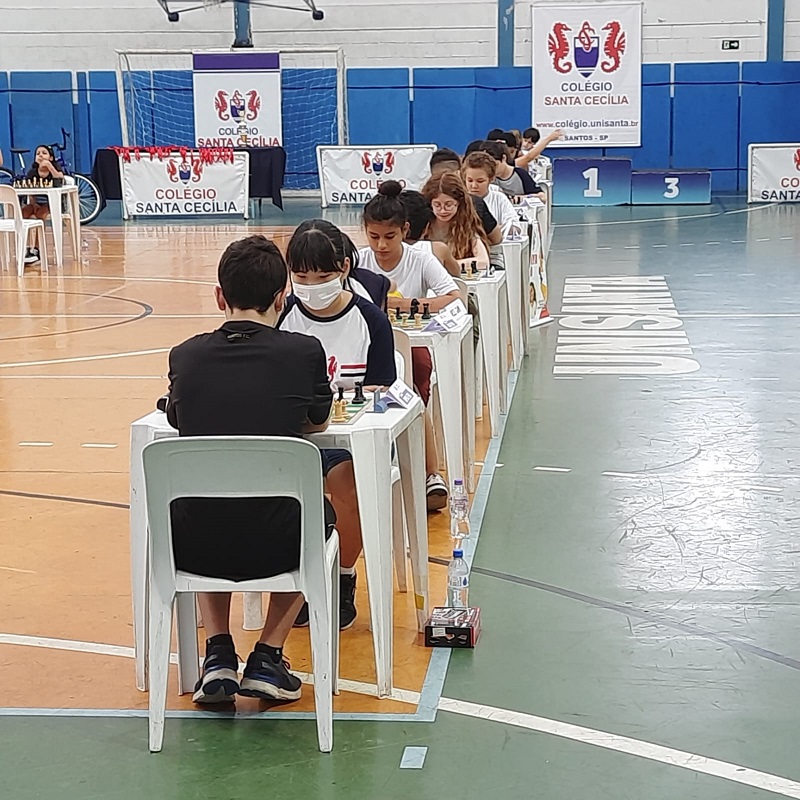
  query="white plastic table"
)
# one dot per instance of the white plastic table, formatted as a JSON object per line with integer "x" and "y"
{"x": 454, "y": 362}
{"x": 54, "y": 196}
{"x": 516, "y": 256}
{"x": 491, "y": 294}
{"x": 369, "y": 438}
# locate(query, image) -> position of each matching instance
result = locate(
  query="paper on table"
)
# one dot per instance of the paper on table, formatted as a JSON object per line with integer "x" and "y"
{"x": 449, "y": 318}
{"x": 399, "y": 394}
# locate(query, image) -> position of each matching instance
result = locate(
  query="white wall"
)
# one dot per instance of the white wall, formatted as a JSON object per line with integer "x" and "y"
{"x": 683, "y": 30}
{"x": 83, "y": 34}
{"x": 791, "y": 43}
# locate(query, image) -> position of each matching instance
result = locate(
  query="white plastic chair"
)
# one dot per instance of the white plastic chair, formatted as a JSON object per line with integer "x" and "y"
{"x": 234, "y": 467}
{"x": 13, "y": 225}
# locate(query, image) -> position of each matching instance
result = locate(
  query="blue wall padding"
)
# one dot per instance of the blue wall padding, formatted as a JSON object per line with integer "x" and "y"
{"x": 41, "y": 104}
{"x": 379, "y": 106}
{"x": 706, "y": 117}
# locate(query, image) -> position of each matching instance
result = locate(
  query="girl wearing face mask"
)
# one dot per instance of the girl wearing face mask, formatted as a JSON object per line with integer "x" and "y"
{"x": 359, "y": 346}
{"x": 356, "y": 335}
{"x": 456, "y": 222}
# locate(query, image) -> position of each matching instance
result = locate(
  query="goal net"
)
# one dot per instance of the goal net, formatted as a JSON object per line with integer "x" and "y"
{"x": 157, "y": 104}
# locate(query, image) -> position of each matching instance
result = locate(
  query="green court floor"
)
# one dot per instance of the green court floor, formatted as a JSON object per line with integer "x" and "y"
{"x": 637, "y": 571}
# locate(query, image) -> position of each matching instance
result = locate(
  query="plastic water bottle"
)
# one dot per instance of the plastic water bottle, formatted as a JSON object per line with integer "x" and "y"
{"x": 458, "y": 581}
{"x": 84, "y": 252}
{"x": 459, "y": 511}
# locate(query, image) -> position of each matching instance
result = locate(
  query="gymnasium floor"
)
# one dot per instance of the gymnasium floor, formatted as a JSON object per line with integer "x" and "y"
{"x": 637, "y": 568}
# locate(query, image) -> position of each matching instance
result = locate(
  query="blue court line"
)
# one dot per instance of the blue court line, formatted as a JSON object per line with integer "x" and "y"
{"x": 437, "y": 668}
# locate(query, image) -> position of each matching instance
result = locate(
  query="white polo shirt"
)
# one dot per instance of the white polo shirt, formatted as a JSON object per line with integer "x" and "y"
{"x": 417, "y": 273}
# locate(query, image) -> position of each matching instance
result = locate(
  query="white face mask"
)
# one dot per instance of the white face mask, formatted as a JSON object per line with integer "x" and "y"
{"x": 318, "y": 296}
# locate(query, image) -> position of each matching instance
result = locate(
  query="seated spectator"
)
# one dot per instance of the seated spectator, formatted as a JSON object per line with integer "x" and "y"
{"x": 359, "y": 346}
{"x": 420, "y": 216}
{"x": 445, "y": 160}
{"x": 479, "y": 171}
{"x": 44, "y": 168}
{"x": 246, "y": 379}
{"x": 416, "y": 275}
{"x": 456, "y": 223}
{"x": 513, "y": 181}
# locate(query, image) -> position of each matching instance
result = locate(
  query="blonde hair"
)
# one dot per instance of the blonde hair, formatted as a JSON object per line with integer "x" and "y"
{"x": 480, "y": 160}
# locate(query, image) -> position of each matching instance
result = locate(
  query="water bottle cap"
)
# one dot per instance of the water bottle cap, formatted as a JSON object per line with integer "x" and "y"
{"x": 458, "y": 482}
{"x": 458, "y": 554}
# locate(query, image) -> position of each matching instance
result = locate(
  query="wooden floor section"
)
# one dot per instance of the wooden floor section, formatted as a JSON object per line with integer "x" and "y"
{"x": 83, "y": 353}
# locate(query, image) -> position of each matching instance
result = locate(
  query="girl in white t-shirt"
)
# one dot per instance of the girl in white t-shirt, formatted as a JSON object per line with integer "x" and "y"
{"x": 415, "y": 275}
{"x": 457, "y": 223}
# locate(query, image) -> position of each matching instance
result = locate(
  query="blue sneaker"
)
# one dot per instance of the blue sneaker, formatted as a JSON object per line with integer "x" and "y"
{"x": 267, "y": 676}
{"x": 220, "y": 679}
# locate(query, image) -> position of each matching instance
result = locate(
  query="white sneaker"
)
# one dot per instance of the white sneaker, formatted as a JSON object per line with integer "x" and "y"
{"x": 32, "y": 255}
{"x": 436, "y": 489}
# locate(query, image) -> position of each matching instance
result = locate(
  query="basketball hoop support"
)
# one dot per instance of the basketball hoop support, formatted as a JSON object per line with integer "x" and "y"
{"x": 243, "y": 30}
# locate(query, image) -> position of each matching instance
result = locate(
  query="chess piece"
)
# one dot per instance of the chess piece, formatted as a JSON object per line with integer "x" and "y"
{"x": 418, "y": 323}
{"x": 358, "y": 397}
{"x": 340, "y": 407}
{"x": 398, "y": 316}
{"x": 426, "y": 311}
{"x": 412, "y": 318}
{"x": 474, "y": 269}
{"x": 463, "y": 270}
{"x": 415, "y": 306}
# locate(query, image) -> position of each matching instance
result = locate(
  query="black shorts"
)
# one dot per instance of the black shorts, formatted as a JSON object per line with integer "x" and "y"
{"x": 241, "y": 539}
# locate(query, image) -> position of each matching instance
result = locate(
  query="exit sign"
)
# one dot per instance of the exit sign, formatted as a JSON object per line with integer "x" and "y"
{"x": 730, "y": 44}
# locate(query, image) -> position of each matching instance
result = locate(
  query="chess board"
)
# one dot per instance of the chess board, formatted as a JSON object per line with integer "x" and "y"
{"x": 354, "y": 412}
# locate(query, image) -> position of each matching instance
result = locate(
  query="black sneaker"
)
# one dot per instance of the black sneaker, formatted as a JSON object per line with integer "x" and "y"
{"x": 32, "y": 255}
{"x": 347, "y": 601}
{"x": 347, "y": 605}
{"x": 268, "y": 679}
{"x": 220, "y": 679}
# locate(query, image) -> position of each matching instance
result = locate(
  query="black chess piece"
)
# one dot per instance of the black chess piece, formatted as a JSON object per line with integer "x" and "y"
{"x": 463, "y": 269}
{"x": 341, "y": 394}
{"x": 474, "y": 267}
{"x": 415, "y": 306}
{"x": 412, "y": 316}
{"x": 426, "y": 311}
{"x": 358, "y": 397}
{"x": 398, "y": 315}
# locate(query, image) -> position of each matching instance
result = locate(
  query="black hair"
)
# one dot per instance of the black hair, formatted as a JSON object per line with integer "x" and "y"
{"x": 495, "y": 133}
{"x": 474, "y": 147}
{"x": 445, "y": 155}
{"x": 319, "y": 246}
{"x": 495, "y": 149}
{"x": 33, "y": 172}
{"x": 252, "y": 273}
{"x": 418, "y": 213}
{"x": 386, "y": 206}
{"x": 532, "y": 134}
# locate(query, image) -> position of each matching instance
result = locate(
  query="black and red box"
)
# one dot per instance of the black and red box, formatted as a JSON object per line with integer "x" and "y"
{"x": 453, "y": 627}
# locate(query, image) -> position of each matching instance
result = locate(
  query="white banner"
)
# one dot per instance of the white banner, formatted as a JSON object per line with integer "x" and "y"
{"x": 774, "y": 173}
{"x": 352, "y": 175}
{"x": 587, "y": 72}
{"x": 237, "y": 99}
{"x": 178, "y": 186}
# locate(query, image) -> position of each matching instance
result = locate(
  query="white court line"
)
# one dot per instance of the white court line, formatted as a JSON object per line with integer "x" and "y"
{"x": 76, "y": 359}
{"x": 763, "y": 240}
{"x": 764, "y": 379}
{"x": 16, "y": 569}
{"x": 625, "y": 744}
{"x": 703, "y": 275}
{"x": 35, "y": 444}
{"x": 552, "y": 469}
{"x": 99, "y": 445}
{"x": 94, "y": 648}
{"x": 769, "y": 489}
{"x": 786, "y": 238}
{"x": 631, "y": 246}
{"x": 660, "y": 245}
{"x": 602, "y": 248}
{"x": 687, "y": 244}
{"x": 713, "y": 242}
{"x": 676, "y": 218}
{"x": 738, "y": 241}
{"x": 612, "y": 474}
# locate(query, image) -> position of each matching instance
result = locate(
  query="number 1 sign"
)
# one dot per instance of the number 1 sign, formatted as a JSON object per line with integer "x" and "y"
{"x": 591, "y": 181}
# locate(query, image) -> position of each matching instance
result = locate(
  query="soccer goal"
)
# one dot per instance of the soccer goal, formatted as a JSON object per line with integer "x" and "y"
{"x": 157, "y": 103}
